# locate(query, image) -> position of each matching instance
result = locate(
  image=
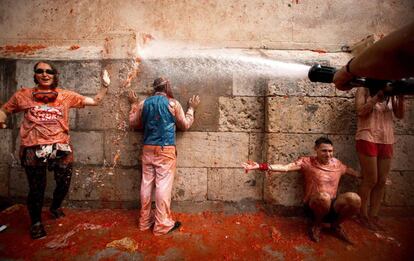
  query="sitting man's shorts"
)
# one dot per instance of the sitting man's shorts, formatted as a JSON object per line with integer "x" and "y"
{"x": 328, "y": 218}
{"x": 370, "y": 149}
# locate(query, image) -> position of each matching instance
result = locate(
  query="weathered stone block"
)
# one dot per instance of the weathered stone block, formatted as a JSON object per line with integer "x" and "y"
{"x": 241, "y": 114}
{"x": 211, "y": 149}
{"x": 299, "y": 87}
{"x": 7, "y": 79}
{"x": 123, "y": 148}
{"x": 80, "y": 76}
{"x": 284, "y": 189}
{"x": 271, "y": 19}
{"x": 24, "y": 73}
{"x": 401, "y": 190}
{"x": 257, "y": 146}
{"x": 112, "y": 113}
{"x": 4, "y": 180}
{"x": 345, "y": 94}
{"x": 286, "y": 148}
{"x": 19, "y": 187}
{"x": 311, "y": 115}
{"x": 406, "y": 125}
{"x": 310, "y": 14}
{"x": 6, "y": 143}
{"x": 234, "y": 184}
{"x": 88, "y": 147}
{"x": 249, "y": 86}
{"x": 105, "y": 184}
{"x": 207, "y": 114}
{"x": 190, "y": 184}
{"x": 72, "y": 119}
{"x": 403, "y": 153}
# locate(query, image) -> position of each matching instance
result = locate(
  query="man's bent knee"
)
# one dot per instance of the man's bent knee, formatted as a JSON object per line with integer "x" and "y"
{"x": 348, "y": 199}
{"x": 320, "y": 201}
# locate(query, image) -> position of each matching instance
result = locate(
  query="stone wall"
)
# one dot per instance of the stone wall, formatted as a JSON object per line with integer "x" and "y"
{"x": 240, "y": 118}
{"x": 282, "y": 24}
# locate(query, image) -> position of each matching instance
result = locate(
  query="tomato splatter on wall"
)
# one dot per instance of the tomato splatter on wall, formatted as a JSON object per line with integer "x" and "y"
{"x": 74, "y": 47}
{"x": 21, "y": 48}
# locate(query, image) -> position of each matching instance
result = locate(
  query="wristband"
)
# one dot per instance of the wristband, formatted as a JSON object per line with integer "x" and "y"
{"x": 348, "y": 65}
{"x": 263, "y": 166}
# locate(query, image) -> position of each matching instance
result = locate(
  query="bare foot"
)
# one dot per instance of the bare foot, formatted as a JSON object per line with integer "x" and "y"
{"x": 314, "y": 232}
{"x": 377, "y": 224}
{"x": 340, "y": 233}
{"x": 365, "y": 222}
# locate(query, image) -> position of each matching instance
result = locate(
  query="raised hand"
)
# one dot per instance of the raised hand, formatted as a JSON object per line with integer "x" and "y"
{"x": 194, "y": 102}
{"x": 132, "y": 97}
{"x": 105, "y": 78}
{"x": 250, "y": 165}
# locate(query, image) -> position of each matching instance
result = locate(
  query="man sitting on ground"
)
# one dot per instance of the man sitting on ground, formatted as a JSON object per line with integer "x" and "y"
{"x": 322, "y": 174}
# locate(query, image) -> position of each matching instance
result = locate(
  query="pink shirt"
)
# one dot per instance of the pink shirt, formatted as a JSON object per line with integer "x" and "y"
{"x": 320, "y": 178}
{"x": 183, "y": 120}
{"x": 377, "y": 126}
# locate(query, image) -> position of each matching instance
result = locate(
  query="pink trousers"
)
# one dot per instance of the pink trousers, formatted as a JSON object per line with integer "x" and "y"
{"x": 158, "y": 168}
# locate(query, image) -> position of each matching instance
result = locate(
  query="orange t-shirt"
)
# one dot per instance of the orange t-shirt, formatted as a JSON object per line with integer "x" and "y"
{"x": 320, "y": 178}
{"x": 44, "y": 123}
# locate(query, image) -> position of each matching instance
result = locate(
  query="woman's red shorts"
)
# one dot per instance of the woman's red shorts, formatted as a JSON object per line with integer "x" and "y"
{"x": 371, "y": 149}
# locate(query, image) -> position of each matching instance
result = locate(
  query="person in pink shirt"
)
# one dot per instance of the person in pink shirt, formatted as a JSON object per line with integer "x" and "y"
{"x": 159, "y": 115}
{"x": 322, "y": 174}
{"x": 44, "y": 137}
{"x": 374, "y": 144}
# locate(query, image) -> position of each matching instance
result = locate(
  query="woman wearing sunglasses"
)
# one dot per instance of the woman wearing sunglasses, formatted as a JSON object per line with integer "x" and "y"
{"x": 44, "y": 137}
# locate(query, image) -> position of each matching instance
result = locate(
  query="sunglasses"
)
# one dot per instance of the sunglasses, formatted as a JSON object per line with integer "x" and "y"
{"x": 48, "y": 71}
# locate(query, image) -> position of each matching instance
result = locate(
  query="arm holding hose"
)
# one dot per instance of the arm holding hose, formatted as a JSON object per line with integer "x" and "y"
{"x": 390, "y": 58}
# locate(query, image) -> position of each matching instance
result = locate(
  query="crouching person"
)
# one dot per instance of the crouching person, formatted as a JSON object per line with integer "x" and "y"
{"x": 322, "y": 174}
{"x": 44, "y": 137}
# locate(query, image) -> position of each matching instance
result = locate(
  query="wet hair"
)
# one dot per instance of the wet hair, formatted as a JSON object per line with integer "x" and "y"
{"x": 55, "y": 82}
{"x": 162, "y": 84}
{"x": 322, "y": 140}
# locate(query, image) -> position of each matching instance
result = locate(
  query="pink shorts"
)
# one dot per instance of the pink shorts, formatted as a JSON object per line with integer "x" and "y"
{"x": 371, "y": 149}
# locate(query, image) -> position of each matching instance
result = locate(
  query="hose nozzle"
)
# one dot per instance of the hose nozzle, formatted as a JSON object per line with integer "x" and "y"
{"x": 319, "y": 73}
{"x": 325, "y": 74}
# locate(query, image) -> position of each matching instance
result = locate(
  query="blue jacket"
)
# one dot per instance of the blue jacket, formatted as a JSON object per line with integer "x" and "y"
{"x": 158, "y": 122}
